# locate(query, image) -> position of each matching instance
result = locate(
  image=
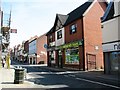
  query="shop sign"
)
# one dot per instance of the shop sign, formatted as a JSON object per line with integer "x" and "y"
{"x": 111, "y": 47}
{"x": 73, "y": 44}
{"x": 52, "y": 44}
{"x": 117, "y": 46}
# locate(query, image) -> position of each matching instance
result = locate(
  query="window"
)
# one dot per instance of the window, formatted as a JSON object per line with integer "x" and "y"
{"x": 73, "y": 28}
{"x": 72, "y": 56}
{"x": 59, "y": 34}
{"x": 52, "y": 56}
{"x": 50, "y": 38}
{"x": 114, "y": 57}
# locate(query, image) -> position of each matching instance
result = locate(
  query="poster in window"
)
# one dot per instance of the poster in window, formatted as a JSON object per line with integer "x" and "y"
{"x": 72, "y": 56}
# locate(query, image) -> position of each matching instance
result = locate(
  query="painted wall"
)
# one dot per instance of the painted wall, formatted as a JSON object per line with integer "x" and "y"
{"x": 61, "y": 41}
{"x": 110, "y": 30}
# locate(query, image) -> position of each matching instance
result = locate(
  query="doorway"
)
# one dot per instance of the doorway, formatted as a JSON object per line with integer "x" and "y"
{"x": 60, "y": 59}
{"x": 91, "y": 61}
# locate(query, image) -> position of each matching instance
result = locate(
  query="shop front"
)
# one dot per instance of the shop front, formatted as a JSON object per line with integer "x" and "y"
{"x": 51, "y": 56}
{"x": 32, "y": 59}
{"x": 112, "y": 58}
{"x": 69, "y": 55}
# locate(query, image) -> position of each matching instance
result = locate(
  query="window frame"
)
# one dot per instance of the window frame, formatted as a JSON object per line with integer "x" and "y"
{"x": 73, "y": 28}
{"x": 50, "y": 38}
{"x": 59, "y": 34}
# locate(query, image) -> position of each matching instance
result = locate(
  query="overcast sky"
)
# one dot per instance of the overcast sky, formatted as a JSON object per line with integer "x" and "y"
{"x": 35, "y": 17}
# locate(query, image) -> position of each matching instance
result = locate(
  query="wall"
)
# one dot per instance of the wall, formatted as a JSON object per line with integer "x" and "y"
{"x": 93, "y": 33}
{"x": 26, "y": 46}
{"x": 61, "y": 41}
{"x": 41, "y": 51}
{"x": 110, "y": 30}
{"x": 76, "y": 36}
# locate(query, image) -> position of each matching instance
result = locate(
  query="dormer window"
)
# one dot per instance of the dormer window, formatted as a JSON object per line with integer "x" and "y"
{"x": 73, "y": 28}
{"x": 59, "y": 34}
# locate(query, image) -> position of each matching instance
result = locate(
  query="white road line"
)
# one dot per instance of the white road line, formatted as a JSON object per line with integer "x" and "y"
{"x": 72, "y": 75}
{"x": 98, "y": 83}
{"x": 66, "y": 76}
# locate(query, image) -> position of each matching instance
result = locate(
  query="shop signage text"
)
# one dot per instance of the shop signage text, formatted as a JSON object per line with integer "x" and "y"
{"x": 117, "y": 46}
{"x": 111, "y": 47}
{"x": 73, "y": 44}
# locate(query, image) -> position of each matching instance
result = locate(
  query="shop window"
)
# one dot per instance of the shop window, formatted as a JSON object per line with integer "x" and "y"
{"x": 59, "y": 34}
{"x": 52, "y": 56}
{"x": 73, "y": 28}
{"x": 72, "y": 56}
{"x": 114, "y": 60}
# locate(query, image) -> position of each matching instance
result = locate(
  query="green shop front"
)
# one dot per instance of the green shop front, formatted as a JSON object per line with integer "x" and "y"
{"x": 70, "y": 55}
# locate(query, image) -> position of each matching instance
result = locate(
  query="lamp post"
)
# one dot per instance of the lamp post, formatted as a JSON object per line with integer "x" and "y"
{"x": 0, "y": 50}
{"x": 36, "y": 58}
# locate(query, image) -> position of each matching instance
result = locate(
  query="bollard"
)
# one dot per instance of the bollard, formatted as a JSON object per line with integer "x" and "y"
{"x": 19, "y": 76}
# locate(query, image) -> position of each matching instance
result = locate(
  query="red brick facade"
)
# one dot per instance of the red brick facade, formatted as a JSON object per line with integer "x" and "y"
{"x": 75, "y": 36}
{"x": 93, "y": 33}
{"x": 41, "y": 50}
{"x": 88, "y": 32}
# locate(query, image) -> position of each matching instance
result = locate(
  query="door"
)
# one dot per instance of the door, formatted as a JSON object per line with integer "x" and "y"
{"x": 60, "y": 59}
{"x": 91, "y": 61}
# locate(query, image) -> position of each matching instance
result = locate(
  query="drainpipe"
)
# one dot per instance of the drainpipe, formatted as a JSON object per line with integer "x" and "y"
{"x": 83, "y": 48}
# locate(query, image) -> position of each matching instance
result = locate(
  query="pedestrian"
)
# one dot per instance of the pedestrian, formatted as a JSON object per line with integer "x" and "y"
{"x": 3, "y": 63}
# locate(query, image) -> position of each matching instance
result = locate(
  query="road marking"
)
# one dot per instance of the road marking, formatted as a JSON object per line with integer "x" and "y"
{"x": 66, "y": 76}
{"x": 98, "y": 83}
{"x": 72, "y": 75}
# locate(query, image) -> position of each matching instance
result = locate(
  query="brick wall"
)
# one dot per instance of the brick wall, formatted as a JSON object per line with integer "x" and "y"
{"x": 41, "y": 51}
{"x": 93, "y": 33}
{"x": 76, "y": 36}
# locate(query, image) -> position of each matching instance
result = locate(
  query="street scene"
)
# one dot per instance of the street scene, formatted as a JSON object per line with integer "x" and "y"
{"x": 48, "y": 47}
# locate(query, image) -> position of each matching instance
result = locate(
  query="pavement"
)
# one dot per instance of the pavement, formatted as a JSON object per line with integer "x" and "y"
{"x": 7, "y": 79}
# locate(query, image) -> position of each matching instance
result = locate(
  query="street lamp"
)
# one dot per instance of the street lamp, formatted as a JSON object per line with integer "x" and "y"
{"x": 36, "y": 58}
{"x": 0, "y": 49}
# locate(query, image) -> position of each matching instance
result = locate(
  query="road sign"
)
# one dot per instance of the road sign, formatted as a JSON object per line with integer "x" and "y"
{"x": 45, "y": 45}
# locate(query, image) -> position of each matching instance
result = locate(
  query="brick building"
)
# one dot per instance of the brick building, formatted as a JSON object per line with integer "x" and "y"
{"x": 82, "y": 45}
{"x": 33, "y": 50}
{"x": 41, "y": 50}
{"x": 26, "y": 50}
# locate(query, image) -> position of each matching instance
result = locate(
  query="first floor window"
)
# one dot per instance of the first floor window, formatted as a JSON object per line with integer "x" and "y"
{"x": 59, "y": 34}
{"x": 50, "y": 38}
{"x": 73, "y": 28}
{"x": 72, "y": 56}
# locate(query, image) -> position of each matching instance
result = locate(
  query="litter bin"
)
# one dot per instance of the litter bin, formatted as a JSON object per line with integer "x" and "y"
{"x": 19, "y": 76}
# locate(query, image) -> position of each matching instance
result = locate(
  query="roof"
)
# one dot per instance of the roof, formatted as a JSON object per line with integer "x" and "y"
{"x": 33, "y": 38}
{"x": 62, "y": 18}
{"x": 109, "y": 13}
{"x": 78, "y": 12}
{"x": 50, "y": 31}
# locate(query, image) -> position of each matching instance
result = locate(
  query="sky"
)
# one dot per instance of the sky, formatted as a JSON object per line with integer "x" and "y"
{"x": 34, "y": 17}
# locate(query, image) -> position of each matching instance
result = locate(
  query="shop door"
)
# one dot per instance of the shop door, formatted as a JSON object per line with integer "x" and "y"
{"x": 60, "y": 59}
{"x": 91, "y": 61}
